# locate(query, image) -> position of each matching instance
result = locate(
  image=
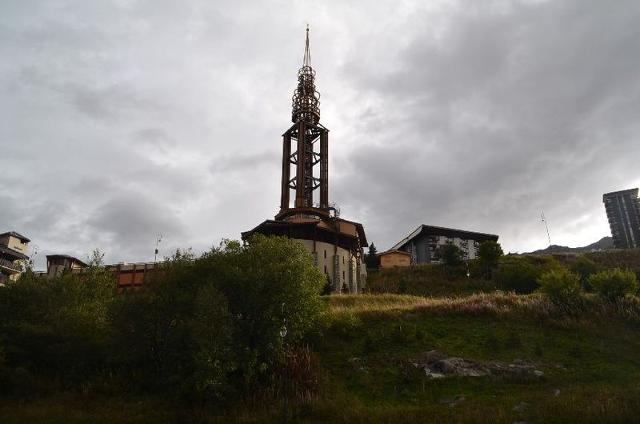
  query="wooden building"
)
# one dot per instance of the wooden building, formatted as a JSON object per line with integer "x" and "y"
{"x": 57, "y": 264}
{"x": 394, "y": 258}
{"x": 127, "y": 275}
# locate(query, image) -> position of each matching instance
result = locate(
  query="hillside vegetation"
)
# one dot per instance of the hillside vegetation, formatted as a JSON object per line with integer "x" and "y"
{"x": 362, "y": 359}
{"x": 436, "y": 281}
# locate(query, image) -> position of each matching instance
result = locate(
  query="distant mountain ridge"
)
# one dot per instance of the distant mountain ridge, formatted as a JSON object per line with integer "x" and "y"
{"x": 603, "y": 244}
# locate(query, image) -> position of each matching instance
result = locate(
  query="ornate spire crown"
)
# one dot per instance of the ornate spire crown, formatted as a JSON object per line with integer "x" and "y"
{"x": 306, "y": 100}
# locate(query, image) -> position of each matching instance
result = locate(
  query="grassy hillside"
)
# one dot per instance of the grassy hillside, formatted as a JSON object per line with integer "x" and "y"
{"x": 435, "y": 281}
{"x": 363, "y": 354}
{"x": 428, "y": 280}
{"x": 623, "y": 258}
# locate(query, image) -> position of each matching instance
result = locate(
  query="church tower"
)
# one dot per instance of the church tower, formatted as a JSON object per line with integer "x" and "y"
{"x": 305, "y": 134}
{"x": 336, "y": 244}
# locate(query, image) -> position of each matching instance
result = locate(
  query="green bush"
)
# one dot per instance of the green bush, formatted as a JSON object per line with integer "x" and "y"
{"x": 521, "y": 273}
{"x": 517, "y": 274}
{"x": 584, "y": 267}
{"x": 57, "y": 328}
{"x": 560, "y": 285}
{"x": 217, "y": 327}
{"x": 614, "y": 284}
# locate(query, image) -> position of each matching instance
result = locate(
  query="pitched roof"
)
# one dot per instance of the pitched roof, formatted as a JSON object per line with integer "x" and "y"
{"x": 72, "y": 258}
{"x": 282, "y": 227}
{"x": 16, "y": 235}
{"x": 449, "y": 232}
{"x": 386, "y": 252}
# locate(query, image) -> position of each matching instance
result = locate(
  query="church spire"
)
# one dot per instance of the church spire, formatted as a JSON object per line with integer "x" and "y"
{"x": 307, "y": 53}
{"x": 306, "y": 100}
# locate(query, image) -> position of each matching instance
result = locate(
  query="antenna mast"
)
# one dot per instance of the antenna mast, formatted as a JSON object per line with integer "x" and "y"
{"x": 546, "y": 227}
{"x": 158, "y": 240}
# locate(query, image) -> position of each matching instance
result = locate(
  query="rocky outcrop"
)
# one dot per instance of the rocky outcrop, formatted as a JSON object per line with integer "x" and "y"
{"x": 437, "y": 365}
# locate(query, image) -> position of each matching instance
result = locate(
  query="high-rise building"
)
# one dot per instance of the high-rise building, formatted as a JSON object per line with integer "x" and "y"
{"x": 623, "y": 212}
{"x": 335, "y": 243}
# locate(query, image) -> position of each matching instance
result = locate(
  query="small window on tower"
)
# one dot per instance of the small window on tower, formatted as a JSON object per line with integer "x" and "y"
{"x": 325, "y": 254}
{"x": 325, "y": 269}
{"x": 343, "y": 276}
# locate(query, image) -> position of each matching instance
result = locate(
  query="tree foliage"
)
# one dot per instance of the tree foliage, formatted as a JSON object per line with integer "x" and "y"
{"x": 58, "y": 327}
{"x": 214, "y": 327}
{"x": 489, "y": 255}
{"x": 218, "y": 324}
{"x": 451, "y": 255}
{"x": 371, "y": 258}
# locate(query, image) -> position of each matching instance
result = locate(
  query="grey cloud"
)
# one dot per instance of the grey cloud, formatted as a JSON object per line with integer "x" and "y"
{"x": 501, "y": 114}
{"x": 131, "y": 118}
{"x": 132, "y": 217}
{"x": 240, "y": 162}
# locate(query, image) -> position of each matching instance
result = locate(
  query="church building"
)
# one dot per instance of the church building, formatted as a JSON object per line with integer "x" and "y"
{"x": 335, "y": 243}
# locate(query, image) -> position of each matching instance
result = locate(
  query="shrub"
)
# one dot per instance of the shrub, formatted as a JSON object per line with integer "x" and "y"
{"x": 584, "y": 267}
{"x": 517, "y": 274}
{"x": 521, "y": 273}
{"x": 218, "y": 326}
{"x": 560, "y": 285}
{"x": 57, "y": 328}
{"x": 613, "y": 284}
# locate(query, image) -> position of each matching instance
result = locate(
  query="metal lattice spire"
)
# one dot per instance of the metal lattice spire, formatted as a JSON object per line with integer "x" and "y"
{"x": 306, "y": 100}
{"x": 307, "y": 53}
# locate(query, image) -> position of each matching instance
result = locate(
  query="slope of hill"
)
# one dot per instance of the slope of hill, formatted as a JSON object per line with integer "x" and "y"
{"x": 369, "y": 355}
{"x": 604, "y": 243}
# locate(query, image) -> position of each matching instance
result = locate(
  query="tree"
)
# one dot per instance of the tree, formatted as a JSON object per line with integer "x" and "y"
{"x": 371, "y": 259}
{"x": 57, "y": 327}
{"x": 96, "y": 259}
{"x": 221, "y": 323}
{"x": 489, "y": 255}
{"x": 452, "y": 258}
{"x": 451, "y": 255}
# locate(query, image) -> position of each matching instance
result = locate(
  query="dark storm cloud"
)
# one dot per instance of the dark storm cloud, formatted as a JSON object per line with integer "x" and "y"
{"x": 507, "y": 112}
{"x": 131, "y": 118}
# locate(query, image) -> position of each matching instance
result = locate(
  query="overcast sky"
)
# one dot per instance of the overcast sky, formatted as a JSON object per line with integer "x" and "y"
{"x": 125, "y": 119}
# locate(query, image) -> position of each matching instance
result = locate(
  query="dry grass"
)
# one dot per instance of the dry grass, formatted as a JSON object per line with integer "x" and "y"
{"x": 494, "y": 304}
{"x": 374, "y": 302}
{"x": 481, "y": 303}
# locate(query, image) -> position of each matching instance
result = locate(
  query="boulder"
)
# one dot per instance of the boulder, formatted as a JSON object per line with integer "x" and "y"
{"x": 436, "y": 364}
